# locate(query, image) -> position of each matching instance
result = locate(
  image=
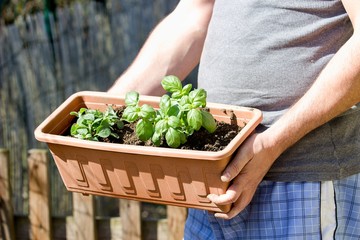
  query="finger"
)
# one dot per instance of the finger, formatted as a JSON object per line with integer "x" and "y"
{"x": 243, "y": 198}
{"x": 239, "y": 161}
{"x": 229, "y": 197}
{"x": 237, "y": 207}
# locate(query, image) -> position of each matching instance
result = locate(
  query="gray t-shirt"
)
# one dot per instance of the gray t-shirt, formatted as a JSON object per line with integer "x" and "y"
{"x": 266, "y": 54}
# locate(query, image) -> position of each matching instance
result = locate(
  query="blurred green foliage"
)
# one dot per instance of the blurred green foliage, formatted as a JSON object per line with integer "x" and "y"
{"x": 12, "y": 9}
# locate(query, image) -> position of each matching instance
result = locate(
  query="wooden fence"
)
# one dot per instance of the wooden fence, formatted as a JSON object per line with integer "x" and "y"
{"x": 44, "y": 59}
{"x": 82, "y": 224}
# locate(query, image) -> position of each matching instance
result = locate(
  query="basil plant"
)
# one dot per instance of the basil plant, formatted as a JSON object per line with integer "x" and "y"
{"x": 180, "y": 114}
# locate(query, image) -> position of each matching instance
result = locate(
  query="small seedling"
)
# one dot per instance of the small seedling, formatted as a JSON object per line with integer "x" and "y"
{"x": 92, "y": 124}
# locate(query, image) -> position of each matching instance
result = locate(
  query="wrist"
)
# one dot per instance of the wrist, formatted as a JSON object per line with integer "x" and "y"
{"x": 275, "y": 145}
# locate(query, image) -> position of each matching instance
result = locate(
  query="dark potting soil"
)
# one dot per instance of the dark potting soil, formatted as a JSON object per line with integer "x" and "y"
{"x": 200, "y": 140}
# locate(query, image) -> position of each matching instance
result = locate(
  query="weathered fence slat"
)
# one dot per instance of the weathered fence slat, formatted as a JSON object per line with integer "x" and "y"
{"x": 84, "y": 217}
{"x": 130, "y": 219}
{"x": 39, "y": 195}
{"x": 176, "y": 222}
{"x": 6, "y": 211}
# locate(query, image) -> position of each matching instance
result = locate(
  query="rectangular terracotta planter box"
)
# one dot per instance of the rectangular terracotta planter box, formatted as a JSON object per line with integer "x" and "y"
{"x": 151, "y": 174}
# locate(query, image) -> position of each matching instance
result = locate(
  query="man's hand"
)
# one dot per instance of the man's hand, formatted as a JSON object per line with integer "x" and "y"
{"x": 246, "y": 170}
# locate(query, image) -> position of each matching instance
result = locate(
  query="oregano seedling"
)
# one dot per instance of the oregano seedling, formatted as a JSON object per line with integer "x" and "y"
{"x": 92, "y": 124}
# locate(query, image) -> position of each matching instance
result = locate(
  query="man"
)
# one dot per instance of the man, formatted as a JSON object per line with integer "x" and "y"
{"x": 298, "y": 176}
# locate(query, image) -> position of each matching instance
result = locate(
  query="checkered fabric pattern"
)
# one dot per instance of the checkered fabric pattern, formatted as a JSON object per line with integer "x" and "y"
{"x": 282, "y": 210}
{"x": 348, "y": 208}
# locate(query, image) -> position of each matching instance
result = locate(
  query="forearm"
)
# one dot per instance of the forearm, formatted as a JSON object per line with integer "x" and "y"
{"x": 174, "y": 47}
{"x": 336, "y": 89}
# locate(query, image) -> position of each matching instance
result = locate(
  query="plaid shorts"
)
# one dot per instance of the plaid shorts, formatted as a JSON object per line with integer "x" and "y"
{"x": 288, "y": 210}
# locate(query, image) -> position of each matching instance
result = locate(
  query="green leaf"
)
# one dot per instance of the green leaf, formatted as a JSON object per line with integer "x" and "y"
{"x": 186, "y": 89}
{"x": 174, "y": 122}
{"x": 110, "y": 111}
{"x": 159, "y": 115}
{"x": 97, "y": 120}
{"x": 89, "y": 116}
{"x": 82, "y": 131}
{"x": 147, "y": 112}
{"x": 182, "y": 138}
{"x": 188, "y": 131}
{"x": 186, "y": 107}
{"x": 82, "y": 110}
{"x": 197, "y": 105}
{"x": 130, "y": 114}
{"x": 173, "y": 111}
{"x": 171, "y": 84}
{"x": 176, "y": 95}
{"x": 144, "y": 130}
{"x": 161, "y": 126}
{"x": 105, "y": 123}
{"x": 74, "y": 113}
{"x": 183, "y": 92}
{"x": 115, "y": 135}
{"x": 194, "y": 119}
{"x": 79, "y": 136}
{"x": 208, "y": 121}
{"x": 165, "y": 103}
{"x": 198, "y": 97}
{"x": 132, "y": 98}
{"x": 184, "y": 100}
{"x": 73, "y": 129}
{"x": 173, "y": 138}
{"x": 156, "y": 138}
{"x": 104, "y": 132}
{"x": 120, "y": 124}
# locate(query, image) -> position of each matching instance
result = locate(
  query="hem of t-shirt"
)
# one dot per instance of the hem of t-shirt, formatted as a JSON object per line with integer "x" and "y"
{"x": 310, "y": 176}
